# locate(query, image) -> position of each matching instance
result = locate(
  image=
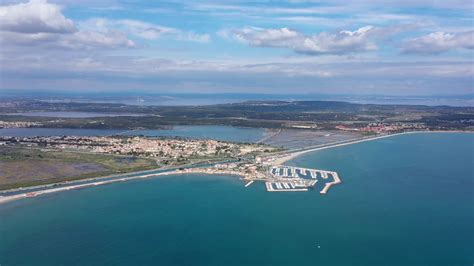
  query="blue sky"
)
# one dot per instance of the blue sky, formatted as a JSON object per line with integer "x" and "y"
{"x": 382, "y": 47}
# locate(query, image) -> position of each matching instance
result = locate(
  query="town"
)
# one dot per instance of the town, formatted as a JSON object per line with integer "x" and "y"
{"x": 380, "y": 128}
{"x": 167, "y": 151}
{"x": 251, "y": 162}
{"x": 19, "y": 124}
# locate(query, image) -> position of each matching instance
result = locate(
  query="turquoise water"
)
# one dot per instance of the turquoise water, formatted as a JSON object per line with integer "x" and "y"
{"x": 225, "y": 133}
{"x": 406, "y": 200}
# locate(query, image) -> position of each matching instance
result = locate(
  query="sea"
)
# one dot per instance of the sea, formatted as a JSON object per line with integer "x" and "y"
{"x": 404, "y": 200}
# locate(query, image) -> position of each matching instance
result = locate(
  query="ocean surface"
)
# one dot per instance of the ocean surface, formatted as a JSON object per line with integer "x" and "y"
{"x": 405, "y": 200}
{"x": 225, "y": 133}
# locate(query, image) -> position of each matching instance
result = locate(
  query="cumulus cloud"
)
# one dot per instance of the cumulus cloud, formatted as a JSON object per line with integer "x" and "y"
{"x": 341, "y": 42}
{"x": 439, "y": 42}
{"x": 42, "y": 24}
{"x": 36, "y": 16}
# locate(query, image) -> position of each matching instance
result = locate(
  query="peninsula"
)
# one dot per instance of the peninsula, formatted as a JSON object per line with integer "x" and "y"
{"x": 293, "y": 128}
{"x": 252, "y": 163}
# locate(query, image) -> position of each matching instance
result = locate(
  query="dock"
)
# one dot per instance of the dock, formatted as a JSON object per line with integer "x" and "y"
{"x": 284, "y": 187}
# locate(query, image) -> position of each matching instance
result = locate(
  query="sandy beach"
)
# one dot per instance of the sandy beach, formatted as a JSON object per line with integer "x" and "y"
{"x": 292, "y": 155}
{"x": 4, "y": 199}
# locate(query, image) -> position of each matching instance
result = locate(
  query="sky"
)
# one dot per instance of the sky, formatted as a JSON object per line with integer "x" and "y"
{"x": 359, "y": 47}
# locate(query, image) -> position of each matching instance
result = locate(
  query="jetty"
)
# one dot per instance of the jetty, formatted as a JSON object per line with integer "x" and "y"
{"x": 328, "y": 185}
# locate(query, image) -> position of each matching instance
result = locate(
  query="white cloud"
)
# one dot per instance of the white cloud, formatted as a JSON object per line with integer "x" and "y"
{"x": 138, "y": 28}
{"x": 143, "y": 30}
{"x": 123, "y": 72}
{"x": 341, "y": 42}
{"x": 36, "y": 16}
{"x": 439, "y": 42}
{"x": 42, "y": 24}
{"x": 92, "y": 39}
{"x": 81, "y": 39}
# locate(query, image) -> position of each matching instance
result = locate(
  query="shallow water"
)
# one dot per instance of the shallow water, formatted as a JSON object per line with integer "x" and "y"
{"x": 404, "y": 200}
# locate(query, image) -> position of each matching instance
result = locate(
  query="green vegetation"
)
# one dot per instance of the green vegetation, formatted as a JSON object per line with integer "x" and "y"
{"x": 269, "y": 114}
{"x": 24, "y": 166}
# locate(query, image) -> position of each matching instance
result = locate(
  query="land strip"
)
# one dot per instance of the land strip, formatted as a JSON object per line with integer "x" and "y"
{"x": 325, "y": 115}
{"x": 30, "y": 161}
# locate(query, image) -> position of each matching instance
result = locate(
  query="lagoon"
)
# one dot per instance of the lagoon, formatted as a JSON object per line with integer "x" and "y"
{"x": 224, "y": 133}
{"x": 405, "y": 200}
{"x": 71, "y": 114}
{"x": 31, "y": 132}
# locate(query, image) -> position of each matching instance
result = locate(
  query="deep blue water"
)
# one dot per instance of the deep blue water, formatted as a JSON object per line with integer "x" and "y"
{"x": 226, "y": 133}
{"x": 406, "y": 200}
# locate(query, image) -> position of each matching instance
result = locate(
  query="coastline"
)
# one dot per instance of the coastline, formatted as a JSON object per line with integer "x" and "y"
{"x": 174, "y": 171}
{"x": 5, "y": 199}
{"x": 293, "y": 155}
{"x": 115, "y": 176}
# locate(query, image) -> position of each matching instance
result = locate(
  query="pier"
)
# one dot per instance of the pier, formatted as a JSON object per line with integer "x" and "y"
{"x": 284, "y": 187}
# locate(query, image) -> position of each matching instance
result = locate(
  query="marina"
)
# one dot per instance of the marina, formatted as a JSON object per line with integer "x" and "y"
{"x": 278, "y": 179}
{"x": 289, "y": 178}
